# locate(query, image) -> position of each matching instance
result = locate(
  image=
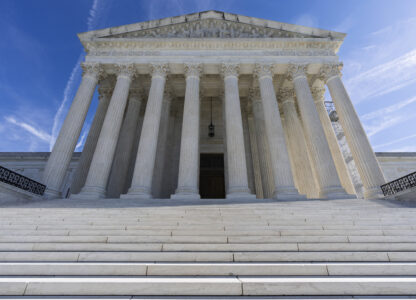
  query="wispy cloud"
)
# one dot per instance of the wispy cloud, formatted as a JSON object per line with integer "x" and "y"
{"x": 388, "y": 110}
{"x": 68, "y": 94}
{"x": 396, "y": 141}
{"x": 384, "y": 78}
{"x": 44, "y": 136}
{"x": 73, "y": 79}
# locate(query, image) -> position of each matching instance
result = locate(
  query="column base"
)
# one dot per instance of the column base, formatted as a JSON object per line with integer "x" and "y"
{"x": 185, "y": 196}
{"x": 289, "y": 193}
{"x": 142, "y": 193}
{"x": 335, "y": 192}
{"x": 90, "y": 192}
{"x": 373, "y": 193}
{"x": 241, "y": 195}
{"x": 51, "y": 193}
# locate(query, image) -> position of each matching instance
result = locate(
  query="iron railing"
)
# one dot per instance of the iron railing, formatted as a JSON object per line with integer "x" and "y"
{"x": 399, "y": 185}
{"x": 21, "y": 182}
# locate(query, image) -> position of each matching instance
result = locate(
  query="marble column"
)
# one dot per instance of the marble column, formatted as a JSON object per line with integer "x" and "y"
{"x": 64, "y": 147}
{"x": 318, "y": 96}
{"x": 95, "y": 185}
{"x": 236, "y": 157}
{"x": 189, "y": 155}
{"x": 267, "y": 179}
{"x": 84, "y": 162}
{"x": 364, "y": 157}
{"x": 299, "y": 157}
{"x": 326, "y": 173}
{"x": 141, "y": 183}
{"x": 125, "y": 145}
{"x": 254, "y": 151}
{"x": 284, "y": 187}
{"x": 162, "y": 147}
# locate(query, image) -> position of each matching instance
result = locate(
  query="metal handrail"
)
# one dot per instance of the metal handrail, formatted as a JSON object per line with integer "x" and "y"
{"x": 399, "y": 185}
{"x": 21, "y": 182}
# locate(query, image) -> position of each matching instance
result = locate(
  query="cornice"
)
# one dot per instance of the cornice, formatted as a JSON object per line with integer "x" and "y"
{"x": 111, "y": 46}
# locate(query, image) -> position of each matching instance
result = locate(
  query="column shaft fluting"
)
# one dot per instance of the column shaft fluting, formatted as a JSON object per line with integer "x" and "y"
{"x": 327, "y": 176}
{"x": 284, "y": 187}
{"x": 145, "y": 160}
{"x": 301, "y": 166}
{"x": 318, "y": 95}
{"x": 95, "y": 185}
{"x": 158, "y": 190}
{"x": 364, "y": 157}
{"x": 266, "y": 171}
{"x": 81, "y": 172}
{"x": 254, "y": 154}
{"x": 189, "y": 153}
{"x": 125, "y": 145}
{"x": 64, "y": 147}
{"x": 236, "y": 158}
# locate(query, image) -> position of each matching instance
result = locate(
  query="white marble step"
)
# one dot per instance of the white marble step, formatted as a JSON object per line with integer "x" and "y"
{"x": 313, "y": 247}
{"x": 206, "y": 269}
{"x": 208, "y": 286}
{"x": 259, "y": 256}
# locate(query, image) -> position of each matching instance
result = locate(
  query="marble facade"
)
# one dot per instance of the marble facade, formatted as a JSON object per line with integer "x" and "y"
{"x": 262, "y": 81}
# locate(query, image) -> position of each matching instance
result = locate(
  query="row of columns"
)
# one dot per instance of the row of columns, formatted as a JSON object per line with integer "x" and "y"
{"x": 278, "y": 169}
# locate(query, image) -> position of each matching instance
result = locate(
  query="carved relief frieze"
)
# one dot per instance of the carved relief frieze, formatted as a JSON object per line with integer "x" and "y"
{"x": 210, "y": 28}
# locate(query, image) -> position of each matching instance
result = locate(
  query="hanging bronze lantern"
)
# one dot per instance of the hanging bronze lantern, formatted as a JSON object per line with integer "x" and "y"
{"x": 211, "y": 127}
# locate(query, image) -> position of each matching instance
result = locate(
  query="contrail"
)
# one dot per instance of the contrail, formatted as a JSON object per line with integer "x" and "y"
{"x": 75, "y": 73}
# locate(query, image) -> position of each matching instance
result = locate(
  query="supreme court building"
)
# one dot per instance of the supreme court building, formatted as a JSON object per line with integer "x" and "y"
{"x": 212, "y": 105}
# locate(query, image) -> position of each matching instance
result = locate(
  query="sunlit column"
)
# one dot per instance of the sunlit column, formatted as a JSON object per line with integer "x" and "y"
{"x": 299, "y": 157}
{"x": 64, "y": 147}
{"x": 145, "y": 160}
{"x": 284, "y": 186}
{"x": 81, "y": 172}
{"x": 318, "y": 96}
{"x": 326, "y": 173}
{"x": 189, "y": 153}
{"x": 364, "y": 157}
{"x": 236, "y": 158}
{"x": 95, "y": 185}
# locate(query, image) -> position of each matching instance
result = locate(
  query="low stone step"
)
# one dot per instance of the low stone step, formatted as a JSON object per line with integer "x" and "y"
{"x": 303, "y": 247}
{"x": 258, "y": 256}
{"x": 206, "y": 269}
{"x": 208, "y": 286}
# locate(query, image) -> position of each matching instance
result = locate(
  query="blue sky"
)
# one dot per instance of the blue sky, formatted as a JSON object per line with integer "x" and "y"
{"x": 40, "y": 55}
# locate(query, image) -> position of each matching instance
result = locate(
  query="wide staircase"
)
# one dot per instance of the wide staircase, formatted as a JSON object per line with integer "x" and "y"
{"x": 215, "y": 249}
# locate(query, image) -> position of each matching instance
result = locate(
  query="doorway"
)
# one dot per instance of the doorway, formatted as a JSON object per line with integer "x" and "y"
{"x": 211, "y": 176}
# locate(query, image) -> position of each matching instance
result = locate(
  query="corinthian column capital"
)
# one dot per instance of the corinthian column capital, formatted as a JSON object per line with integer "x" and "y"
{"x": 159, "y": 69}
{"x": 318, "y": 93}
{"x": 228, "y": 69}
{"x": 328, "y": 71}
{"x": 263, "y": 70}
{"x": 92, "y": 69}
{"x": 127, "y": 70}
{"x": 296, "y": 70}
{"x": 193, "y": 70}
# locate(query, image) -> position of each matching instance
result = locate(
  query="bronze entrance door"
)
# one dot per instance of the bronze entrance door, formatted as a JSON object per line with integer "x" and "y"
{"x": 211, "y": 176}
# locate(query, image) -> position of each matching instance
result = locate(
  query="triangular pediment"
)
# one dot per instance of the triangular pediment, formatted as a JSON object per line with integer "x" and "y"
{"x": 211, "y": 28}
{"x": 210, "y": 24}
